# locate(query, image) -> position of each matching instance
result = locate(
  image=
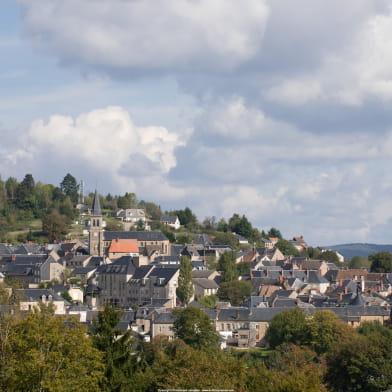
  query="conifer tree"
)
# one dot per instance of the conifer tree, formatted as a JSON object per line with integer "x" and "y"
{"x": 185, "y": 288}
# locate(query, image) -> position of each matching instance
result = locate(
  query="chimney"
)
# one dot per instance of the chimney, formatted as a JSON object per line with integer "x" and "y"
{"x": 346, "y": 290}
{"x": 340, "y": 297}
{"x": 340, "y": 282}
{"x": 362, "y": 283}
{"x": 251, "y": 273}
{"x": 13, "y": 257}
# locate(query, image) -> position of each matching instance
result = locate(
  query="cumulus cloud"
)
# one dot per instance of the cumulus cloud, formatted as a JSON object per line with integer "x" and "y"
{"x": 148, "y": 35}
{"x": 247, "y": 162}
{"x": 348, "y": 74}
{"x": 104, "y": 141}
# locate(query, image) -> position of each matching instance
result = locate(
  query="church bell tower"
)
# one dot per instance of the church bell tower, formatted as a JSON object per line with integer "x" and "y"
{"x": 96, "y": 247}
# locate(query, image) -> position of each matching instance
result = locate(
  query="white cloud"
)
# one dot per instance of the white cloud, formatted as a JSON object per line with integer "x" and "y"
{"x": 348, "y": 74}
{"x": 104, "y": 141}
{"x": 148, "y": 35}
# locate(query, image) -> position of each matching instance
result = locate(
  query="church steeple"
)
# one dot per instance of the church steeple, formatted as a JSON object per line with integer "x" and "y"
{"x": 96, "y": 245}
{"x": 96, "y": 207}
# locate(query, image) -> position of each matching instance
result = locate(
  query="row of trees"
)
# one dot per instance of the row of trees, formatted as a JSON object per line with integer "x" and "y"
{"x": 41, "y": 352}
{"x": 355, "y": 359}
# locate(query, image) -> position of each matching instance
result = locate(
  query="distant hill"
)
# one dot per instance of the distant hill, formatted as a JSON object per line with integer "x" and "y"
{"x": 351, "y": 250}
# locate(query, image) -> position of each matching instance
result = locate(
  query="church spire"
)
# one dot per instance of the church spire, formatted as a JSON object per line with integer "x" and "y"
{"x": 96, "y": 207}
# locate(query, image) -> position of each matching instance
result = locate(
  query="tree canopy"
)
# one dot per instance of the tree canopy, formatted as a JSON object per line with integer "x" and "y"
{"x": 185, "y": 288}
{"x": 381, "y": 261}
{"x": 227, "y": 266}
{"x": 235, "y": 291}
{"x": 287, "y": 327}
{"x": 50, "y": 354}
{"x": 287, "y": 248}
{"x": 70, "y": 187}
{"x": 195, "y": 328}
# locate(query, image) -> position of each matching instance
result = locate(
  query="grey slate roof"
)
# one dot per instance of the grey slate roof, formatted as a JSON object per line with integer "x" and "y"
{"x": 233, "y": 314}
{"x": 315, "y": 278}
{"x": 37, "y": 294}
{"x": 83, "y": 270}
{"x": 205, "y": 283}
{"x": 4, "y": 250}
{"x": 202, "y": 273}
{"x": 123, "y": 265}
{"x": 169, "y": 219}
{"x": 163, "y": 318}
{"x": 137, "y": 235}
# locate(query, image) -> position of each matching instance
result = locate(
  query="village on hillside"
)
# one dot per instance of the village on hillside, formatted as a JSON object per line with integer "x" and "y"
{"x": 241, "y": 285}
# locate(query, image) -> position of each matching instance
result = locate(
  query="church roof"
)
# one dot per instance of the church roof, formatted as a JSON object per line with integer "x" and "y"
{"x": 124, "y": 246}
{"x": 96, "y": 207}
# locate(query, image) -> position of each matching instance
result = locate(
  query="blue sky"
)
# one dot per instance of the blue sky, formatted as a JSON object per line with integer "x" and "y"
{"x": 277, "y": 110}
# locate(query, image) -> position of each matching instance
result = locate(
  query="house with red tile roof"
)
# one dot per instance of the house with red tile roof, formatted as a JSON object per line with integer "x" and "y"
{"x": 123, "y": 247}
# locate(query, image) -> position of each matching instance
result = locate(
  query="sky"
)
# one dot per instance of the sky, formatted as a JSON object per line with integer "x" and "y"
{"x": 279, "y": 110}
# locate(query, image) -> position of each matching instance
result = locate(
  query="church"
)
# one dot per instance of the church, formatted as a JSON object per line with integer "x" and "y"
{"x": 100, "y": 240}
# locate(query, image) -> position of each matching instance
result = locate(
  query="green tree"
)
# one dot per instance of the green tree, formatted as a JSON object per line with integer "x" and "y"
{"x": 25, "y": 198}
{"x": 208, "y": 301}
{"x": 140, "y": 225}
{"x": 179, "y": 366}
{"x": 129, "y": 200}
{"x": 209, "y": 224}
{"x": 227, "y": 266}
{"x": 287, "y": 248}
{"x": 313, "y": 253}
{"x": 70, "y": 187}
{"x": 275, "y": 233}
{"x": 114, "y": 226}
{"x": 67, "y": 209}
{"x": 324, "y": 329}
{"x": 222, "y": 225}
{"x": 50, "y": 354}
{"x": 184, "y": 238}
{"x": 329, "y": 256}
{"x": 185, "y": 287}
{"x": 195, "y": 328}
{"x": 240, "y": 225}
{"x": 11, "y": 185}
{"x": 361, "y": 364}
{"x": 153, "y": 211}
{"x": 359, "y": 262}
{"x": 225, "y": 238}
{"x": 119, "y": 349}
{"x": 381, "y": 261}
{"x": 54, "y": 226}
{"x": 187, "y": 217}
{"x": 235, "y": 291}
{"x": 288, "y": 326}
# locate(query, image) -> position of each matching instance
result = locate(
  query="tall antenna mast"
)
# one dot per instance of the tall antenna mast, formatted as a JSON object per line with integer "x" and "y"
{"x": 81, "y": 192}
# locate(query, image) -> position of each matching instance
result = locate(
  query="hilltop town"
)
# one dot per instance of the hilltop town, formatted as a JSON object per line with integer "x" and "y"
{"x": 148, "y": 265}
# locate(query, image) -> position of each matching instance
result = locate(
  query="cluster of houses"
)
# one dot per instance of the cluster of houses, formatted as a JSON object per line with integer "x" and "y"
{"x": 138, "y": 271}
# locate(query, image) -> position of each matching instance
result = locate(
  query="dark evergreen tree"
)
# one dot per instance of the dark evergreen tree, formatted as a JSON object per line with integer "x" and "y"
{"x": 185, "y": 288}
{"x": 70, "y": 187}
